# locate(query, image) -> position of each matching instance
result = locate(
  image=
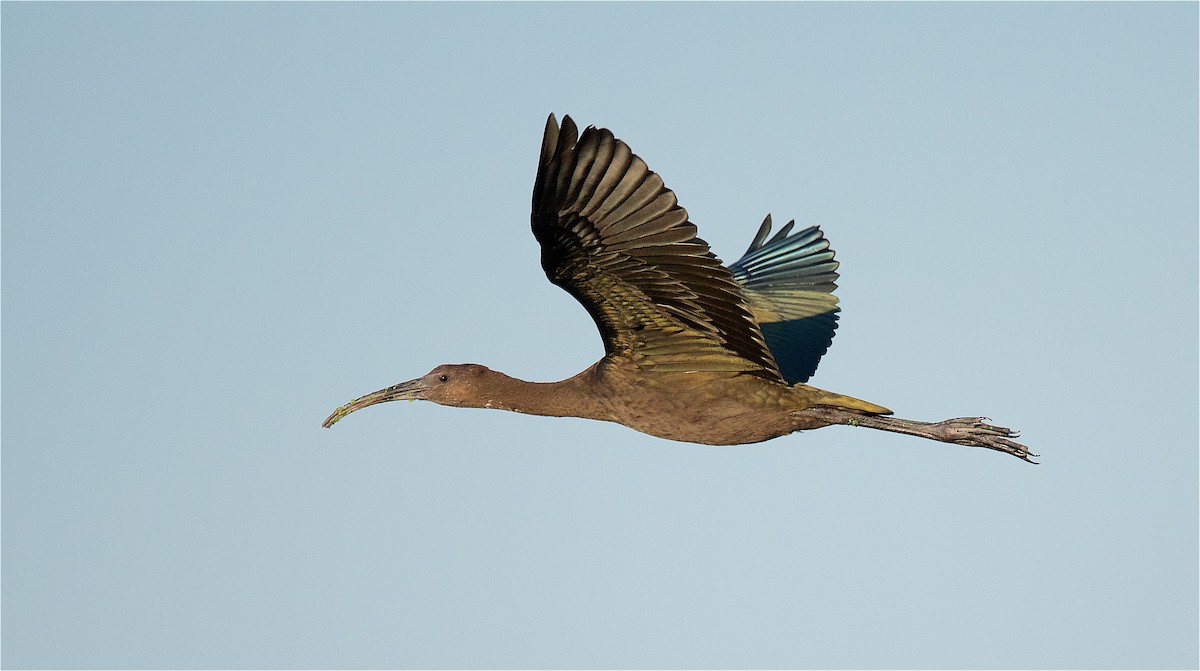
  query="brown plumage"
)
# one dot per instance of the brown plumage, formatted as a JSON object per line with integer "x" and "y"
{"x": 694, "y": 351}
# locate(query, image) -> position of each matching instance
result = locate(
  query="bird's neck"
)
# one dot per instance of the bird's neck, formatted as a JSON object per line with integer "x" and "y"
{"x": 573, "y": 397}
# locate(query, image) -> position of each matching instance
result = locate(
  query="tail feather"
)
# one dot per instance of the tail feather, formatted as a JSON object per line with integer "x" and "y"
{"x": 789, "y": 281}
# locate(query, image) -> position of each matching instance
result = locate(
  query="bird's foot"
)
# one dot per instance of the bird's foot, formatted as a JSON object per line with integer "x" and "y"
{"x": 976, "y": 432}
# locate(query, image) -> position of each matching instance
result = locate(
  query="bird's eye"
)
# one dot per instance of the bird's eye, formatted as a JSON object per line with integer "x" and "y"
{"x": 443, "y": 378}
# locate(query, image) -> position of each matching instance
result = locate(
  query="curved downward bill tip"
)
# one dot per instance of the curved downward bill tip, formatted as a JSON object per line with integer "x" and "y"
{"x": 337, "y": 415}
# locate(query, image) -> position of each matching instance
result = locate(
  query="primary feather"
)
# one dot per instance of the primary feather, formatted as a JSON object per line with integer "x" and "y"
{"x": 614, "y": 237}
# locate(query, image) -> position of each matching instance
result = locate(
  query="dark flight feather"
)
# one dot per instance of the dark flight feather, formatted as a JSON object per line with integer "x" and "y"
{"x": 789, "y": 282}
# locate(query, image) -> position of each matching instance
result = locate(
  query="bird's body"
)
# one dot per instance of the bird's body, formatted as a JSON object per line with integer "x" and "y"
{"x": 711, "y": 409}
{"x": 717, "y": 409}
{"x": 694, "y": 351}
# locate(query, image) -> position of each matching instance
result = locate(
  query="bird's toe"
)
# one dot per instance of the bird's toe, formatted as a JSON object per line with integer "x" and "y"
{"x": 977, "y": 432}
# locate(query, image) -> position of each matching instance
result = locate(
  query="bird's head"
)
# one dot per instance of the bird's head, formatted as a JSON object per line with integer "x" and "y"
{"x": 448, "y": 384}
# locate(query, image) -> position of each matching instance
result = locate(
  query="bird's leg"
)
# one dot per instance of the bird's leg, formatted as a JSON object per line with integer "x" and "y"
{"x": 973, "y": 431}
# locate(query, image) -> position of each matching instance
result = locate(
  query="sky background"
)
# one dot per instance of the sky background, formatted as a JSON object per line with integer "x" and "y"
{"x": 222, "y": 220}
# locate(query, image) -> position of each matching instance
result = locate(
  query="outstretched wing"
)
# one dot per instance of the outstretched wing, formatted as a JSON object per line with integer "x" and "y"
{"x": 789, "y": 282}
{"x": 613, "y": 236}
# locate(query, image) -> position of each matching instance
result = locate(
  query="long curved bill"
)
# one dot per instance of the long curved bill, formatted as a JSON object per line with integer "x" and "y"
{"x": 413, "y": 390}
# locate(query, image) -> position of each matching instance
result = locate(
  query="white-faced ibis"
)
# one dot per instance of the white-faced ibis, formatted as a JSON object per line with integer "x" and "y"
{"x": 693, "y": 351}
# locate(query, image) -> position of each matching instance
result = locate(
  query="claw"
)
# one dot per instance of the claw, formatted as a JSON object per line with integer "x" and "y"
{"x": 976, "y": 432}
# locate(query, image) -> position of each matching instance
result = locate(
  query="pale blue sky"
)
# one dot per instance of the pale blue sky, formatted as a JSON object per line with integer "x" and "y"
{"x": 220, "y": 221}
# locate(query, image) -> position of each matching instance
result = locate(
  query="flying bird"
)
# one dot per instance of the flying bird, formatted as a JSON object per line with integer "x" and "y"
{"x": 694, "y": 351}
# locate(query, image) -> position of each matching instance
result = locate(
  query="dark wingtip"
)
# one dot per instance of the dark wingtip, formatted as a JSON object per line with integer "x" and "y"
{"x": 763, "y": 231}
{"x": 783, "y": 232}
{"x": 549, "y": 138}
{"x": 558, "y": 138}
{"x": 569, "y": 130}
